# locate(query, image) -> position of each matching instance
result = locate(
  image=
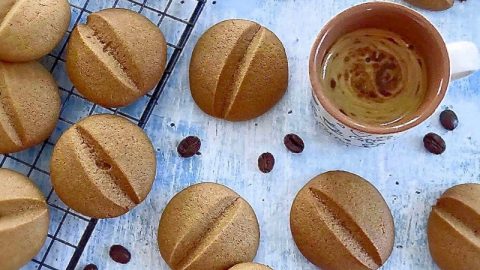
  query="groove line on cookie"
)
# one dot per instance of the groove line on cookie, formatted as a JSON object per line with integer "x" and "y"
{"x": 346, "y": 230}
{"x": 467, "y": 226}
{"x": 7, "y": 115}
{"x": 16, "y": 212}
{"x": 213, "y": 230}
{"x": 111, "y": 51}
{"x": 105, "y": 51}
{"x": 105, "y": 165}
{"x": 201, "y": 225}
{"x": 243, "y": 68}
{"x": 108, "y": 35}
{"x": 226, "y": 81}
{"x": 7, "y": 6}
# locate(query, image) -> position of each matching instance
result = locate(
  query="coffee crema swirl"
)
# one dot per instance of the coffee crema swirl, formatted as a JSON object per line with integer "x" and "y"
{"x": 374, "y": 77}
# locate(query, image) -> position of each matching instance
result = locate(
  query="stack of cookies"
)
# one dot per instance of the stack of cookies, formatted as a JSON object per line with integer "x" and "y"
{"x": 102, "y": 166}
{"x": 29, "y": 97}
{"x": 29, "y": 110}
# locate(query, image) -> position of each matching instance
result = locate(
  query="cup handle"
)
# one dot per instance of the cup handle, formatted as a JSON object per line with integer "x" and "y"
{"x": 464, "y": 59}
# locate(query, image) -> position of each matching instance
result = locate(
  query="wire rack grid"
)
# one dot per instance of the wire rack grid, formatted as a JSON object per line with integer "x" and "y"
{"x": 70, "y": 230}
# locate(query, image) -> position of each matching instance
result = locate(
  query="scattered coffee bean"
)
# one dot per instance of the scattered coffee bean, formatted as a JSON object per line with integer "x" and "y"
{"x": 333, "y": 84}
{"x": 266, "y": 161}
{"x": 449, "y": 119}
{"x": 434, "y": 143}
{"x": 91, "y": 267}
{"x": 294, "y": 143}
{"x": 189, "y": 146}
{"x": 120, "y": 254}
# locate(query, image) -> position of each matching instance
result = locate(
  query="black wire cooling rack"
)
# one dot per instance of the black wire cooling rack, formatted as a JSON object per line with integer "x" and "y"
{"x": 179, "y": 18}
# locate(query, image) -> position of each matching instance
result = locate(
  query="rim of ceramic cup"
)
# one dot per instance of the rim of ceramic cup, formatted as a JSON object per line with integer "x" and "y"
{"x": 421, "y": 116}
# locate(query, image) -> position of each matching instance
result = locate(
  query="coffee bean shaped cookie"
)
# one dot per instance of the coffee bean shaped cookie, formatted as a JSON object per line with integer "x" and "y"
{"x": 116, "y": 57}
{"x": 29, "y": 105}
{"x": 454, "y": 228}
{"x": 238, "y": 71}
{"x": 30, "y": 29}
{"x": 340, "y": 221}
{"x": 103, "y": 166}
{"x": 207, "y": 226}
{"x": 250, "y": 266}
{"x": 24, "y": 220}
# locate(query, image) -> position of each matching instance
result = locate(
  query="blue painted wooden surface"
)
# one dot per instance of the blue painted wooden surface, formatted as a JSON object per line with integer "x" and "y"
{"x": 409, "y": 178}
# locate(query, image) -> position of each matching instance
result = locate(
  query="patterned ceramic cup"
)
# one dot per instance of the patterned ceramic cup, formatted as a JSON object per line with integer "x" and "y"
{"x": 444, "y": 62}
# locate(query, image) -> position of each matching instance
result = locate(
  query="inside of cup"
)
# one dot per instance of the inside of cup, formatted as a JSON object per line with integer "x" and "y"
{"x": 415, "y": 29}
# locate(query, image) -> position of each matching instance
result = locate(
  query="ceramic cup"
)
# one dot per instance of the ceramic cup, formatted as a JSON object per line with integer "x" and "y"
{"x": 444, "y": 62}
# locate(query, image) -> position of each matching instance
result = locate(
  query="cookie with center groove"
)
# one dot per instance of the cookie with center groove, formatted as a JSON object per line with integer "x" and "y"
{"x": 340, "y": 221}
{"x": 250, "y": 266}
{"x": 238, "y": 70}
{"x": 103, "y": 166}
{"x": 24, "y": 220}
{"x": 30, "y": 29}
{"x": 207, "y": 226}
{"x": 454, "y": 228}
{"x": 116, "y": 57}
{"x": 29, "y": 105}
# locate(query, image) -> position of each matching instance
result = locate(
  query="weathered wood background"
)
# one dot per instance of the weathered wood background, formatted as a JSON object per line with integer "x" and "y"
{"x": 409, "y": 178}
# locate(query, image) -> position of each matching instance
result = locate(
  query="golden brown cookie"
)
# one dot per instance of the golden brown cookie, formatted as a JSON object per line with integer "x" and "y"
{"x": 340, "y": 221}
{"x": 29, "y": 105}
{"x": 116, "y": 57}
{"x": 207, "y": 226}
{"x": 454, "y": 228}
{"x": 103, "y": 166}
{"x": 250, "y": 266}
{"x": 238, "y": 71}
{"x": 435, "y": 5}
{"x": 30, "y": 29}
{"x": 24, "y": 220}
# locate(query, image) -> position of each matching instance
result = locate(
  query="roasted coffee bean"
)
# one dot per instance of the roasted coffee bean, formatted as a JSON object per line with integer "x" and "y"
{"x": 120, "y": 254}
{"x": 266, "y": 161}
{"x": 434, "y": 143}
{"x": 294, "y": 143}
{"x": 91, "y": 267}
{"x": 189, "y": 146}
{"x": 449, "y": 119}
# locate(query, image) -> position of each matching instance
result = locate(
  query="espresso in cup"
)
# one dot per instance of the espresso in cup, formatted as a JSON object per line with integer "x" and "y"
{"x": 374, "y": 76}
{"x": 379, "y": 69}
